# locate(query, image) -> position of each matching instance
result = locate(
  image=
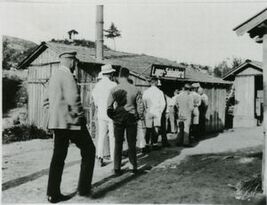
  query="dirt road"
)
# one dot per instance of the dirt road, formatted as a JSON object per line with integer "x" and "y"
{"x": 170, "y": 175}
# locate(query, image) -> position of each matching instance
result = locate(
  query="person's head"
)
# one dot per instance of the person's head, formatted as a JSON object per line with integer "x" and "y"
{"x": 153, "y": 81}
{"x": 176, "y": 92}
{"x": 187, "y": 87}
{"x": 107, "y": 70}
{"x": 200, "y": 91}
{"x": 99, "y": 76}
{"x": 68, "y": 59}
{"x": 195, "y": 86}
{"x": 123, "y": 75}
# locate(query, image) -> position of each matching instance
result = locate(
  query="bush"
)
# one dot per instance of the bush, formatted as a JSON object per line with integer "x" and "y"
{"x": 14, "y": 93}
{"x": 18, "y": 133}
{"x": 11, "y": 85}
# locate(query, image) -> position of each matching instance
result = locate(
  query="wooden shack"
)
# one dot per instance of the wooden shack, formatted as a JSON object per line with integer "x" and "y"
{"x": 43, "y": 61}
{"x": 248, "y": 86}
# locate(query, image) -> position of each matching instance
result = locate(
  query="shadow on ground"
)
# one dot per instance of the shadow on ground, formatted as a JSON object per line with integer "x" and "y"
{"x": 203, "y": 179}
{"x": 145, "y": 164}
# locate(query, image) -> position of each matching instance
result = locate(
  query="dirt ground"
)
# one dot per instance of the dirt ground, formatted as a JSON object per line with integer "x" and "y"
{"x": 200, "y": 174}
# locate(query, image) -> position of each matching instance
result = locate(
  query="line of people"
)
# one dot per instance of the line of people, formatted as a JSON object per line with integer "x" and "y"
{"x": 122, "y": 110}
{"x": 151, "y": 113}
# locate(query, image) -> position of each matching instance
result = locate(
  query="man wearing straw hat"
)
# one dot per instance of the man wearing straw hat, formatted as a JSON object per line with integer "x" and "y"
{"x": 100, "y": 95}
{"x": 66, "y": 119}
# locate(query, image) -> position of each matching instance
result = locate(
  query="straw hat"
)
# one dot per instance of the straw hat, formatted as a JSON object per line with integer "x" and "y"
{"x": 107, "y": 69}
{"x": 195, "y": 85}
{"x": 100, "y": 75}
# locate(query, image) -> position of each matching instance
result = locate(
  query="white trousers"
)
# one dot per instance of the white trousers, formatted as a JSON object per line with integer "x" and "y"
{"x": 141, "y": 132}
{"x": 105, "y": 129}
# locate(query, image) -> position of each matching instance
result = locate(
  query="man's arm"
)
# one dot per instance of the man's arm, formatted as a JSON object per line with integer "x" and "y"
{"x": 162, "y": 102}
{"x": 140, "y": 105}
{"x": 110, "y": 108}
{"x": 70, "y": 92}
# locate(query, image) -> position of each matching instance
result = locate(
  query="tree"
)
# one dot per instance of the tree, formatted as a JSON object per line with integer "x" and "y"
{"x": 221, "y": 69}
{"x": 72, "y": 32}
{"x": 113, "y": 33}
{"x": 236, "y": 62}
{"x": 225, "y": 66}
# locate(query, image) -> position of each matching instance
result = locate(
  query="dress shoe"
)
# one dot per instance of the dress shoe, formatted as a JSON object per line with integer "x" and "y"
{"x": 155, "y": 147}
{"x": 118, "y": 172}
{"x": 188, "y": 145}
{"x": 166, "y": 144}
{"x": 86, "y": 193}
{"x": 145, "y": 150}
{"x": 134, "y": 171}
{"x": 59, "y": 198}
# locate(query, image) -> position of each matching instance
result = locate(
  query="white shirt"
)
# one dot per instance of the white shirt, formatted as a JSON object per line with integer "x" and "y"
{"x": 204, "y": 99}
{"x": 100, "y": 95}
{"x": 185, "y": 105}
{"x": 154, "y": 101}
{"x": 196, "y": 98}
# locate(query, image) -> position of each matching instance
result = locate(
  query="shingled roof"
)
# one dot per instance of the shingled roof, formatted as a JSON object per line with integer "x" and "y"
{"x": 255, "y": 64}
{"x": 137, "y": 63}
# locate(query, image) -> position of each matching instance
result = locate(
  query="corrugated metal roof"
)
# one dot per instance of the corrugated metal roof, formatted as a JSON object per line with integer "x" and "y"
{"x": 138, "y": 63}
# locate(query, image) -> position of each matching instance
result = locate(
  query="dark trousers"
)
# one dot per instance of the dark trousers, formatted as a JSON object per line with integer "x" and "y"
{"x": 164, "y": 139}
{"x": 151, "y": 136}
{"x": 83, "y": 141}
{"x": 131, "y": 134}
{"x": 202, "y": 120}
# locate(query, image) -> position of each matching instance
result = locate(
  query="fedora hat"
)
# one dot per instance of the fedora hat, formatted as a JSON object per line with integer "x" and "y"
{"x": 195, "y": 85}
{"x": 107, "y": 69}
{"x": 187, "y": 86}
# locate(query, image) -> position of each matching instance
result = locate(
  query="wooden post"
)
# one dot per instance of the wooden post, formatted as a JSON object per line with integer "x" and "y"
{"x": 264, "y": 170}
{"x": 99, "y": 32}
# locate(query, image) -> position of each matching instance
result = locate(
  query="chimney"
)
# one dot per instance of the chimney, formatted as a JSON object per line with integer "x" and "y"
{"x": 99, "y": 32}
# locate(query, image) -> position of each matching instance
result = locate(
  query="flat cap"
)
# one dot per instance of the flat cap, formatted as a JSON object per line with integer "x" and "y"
{"x": 187, "y": 85}
{"x": 68, "y": 54}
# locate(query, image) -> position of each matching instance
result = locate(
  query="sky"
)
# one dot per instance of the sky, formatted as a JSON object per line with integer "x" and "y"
{"x": 199, "y": 32}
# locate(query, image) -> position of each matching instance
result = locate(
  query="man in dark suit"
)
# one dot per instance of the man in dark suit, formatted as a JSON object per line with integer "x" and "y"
{"x": 122, "y": 109}
{"x": 66, "y": 119}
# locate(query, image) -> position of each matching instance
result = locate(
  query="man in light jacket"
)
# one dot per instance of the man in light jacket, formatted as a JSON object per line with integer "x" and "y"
{"x": 66, "y": 119}
{"x": 185, "y": 106}
{"x": 100, "y": 95}
{"x": 154, "y": 103}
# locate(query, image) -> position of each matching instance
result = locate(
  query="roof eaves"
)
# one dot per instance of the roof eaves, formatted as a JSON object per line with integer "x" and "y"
{"x": 248, "y": 21}
{"x": 247, "y": 62}
{"x": 31, "y": 56}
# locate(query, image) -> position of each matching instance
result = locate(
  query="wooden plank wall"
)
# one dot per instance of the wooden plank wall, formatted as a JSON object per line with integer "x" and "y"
{"x": 38, "y": 77}
{"x": 215, "y": 117}
{"x": 244, "y": 115}
{"x": 41, "y": 70}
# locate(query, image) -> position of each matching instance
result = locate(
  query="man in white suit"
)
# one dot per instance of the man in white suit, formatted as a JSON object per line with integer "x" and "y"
{"x": 100, "y": 95}
{"x": 154, "y": 103}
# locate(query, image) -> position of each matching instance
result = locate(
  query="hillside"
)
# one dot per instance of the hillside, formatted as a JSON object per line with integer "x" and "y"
{"x": 15, "y": 50}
